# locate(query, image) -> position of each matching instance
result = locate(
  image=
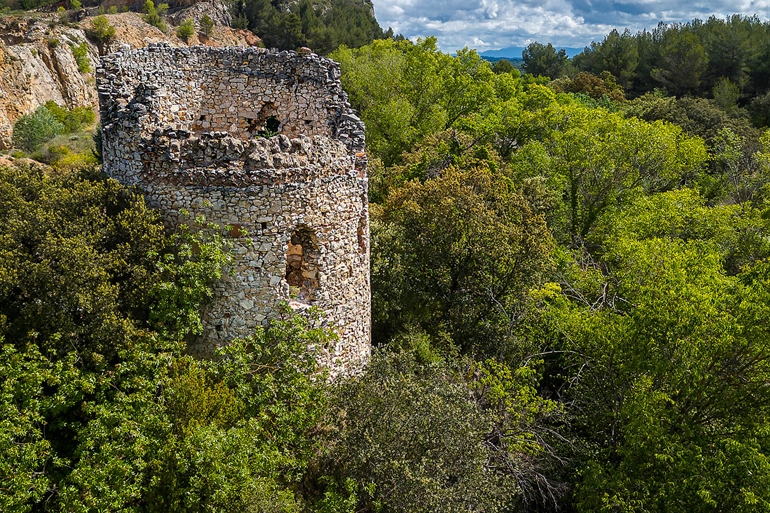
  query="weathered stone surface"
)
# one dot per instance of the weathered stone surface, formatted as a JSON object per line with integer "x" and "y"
{"x": 184, "y": 124}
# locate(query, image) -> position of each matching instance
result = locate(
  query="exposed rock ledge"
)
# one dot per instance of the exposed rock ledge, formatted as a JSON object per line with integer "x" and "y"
{"x": 37, "y": 65}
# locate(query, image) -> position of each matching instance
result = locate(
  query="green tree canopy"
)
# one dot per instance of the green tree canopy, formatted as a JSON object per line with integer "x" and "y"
{"x": 545, "y": 60}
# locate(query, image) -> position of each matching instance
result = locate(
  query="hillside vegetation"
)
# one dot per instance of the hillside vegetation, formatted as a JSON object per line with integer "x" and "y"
{"x": 571, "y": 294}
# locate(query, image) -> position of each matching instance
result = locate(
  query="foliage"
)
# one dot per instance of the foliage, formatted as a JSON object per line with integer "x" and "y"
{"x": 593, "y": 86}
{"x": 505, "y": 66}
{"x": 322, "y": 26}
{"x": 101, "y": 30}
{"x": 616, "y": 55}
{"x": 186, "y": 30}
{"x": 428, "y": 92}
{"x": 100, "y": 408}
{"x": 32, "y": 130}
{"x": 726, "y": 95}
{"x": 80, "y": 52}
{"x": 207, "y": 25}
{"x": 433, "y": 436}
{"x": 598, "y": 159}
{"x": 455, "y": 256}
{"x": 155, "y": 15}
{"x": 686, "y": 59}
{"x": 241, "y": 423}
{"x": 540, "y": 59}
{"x": 74, "y": 119}
{"x": 662, "y": 343}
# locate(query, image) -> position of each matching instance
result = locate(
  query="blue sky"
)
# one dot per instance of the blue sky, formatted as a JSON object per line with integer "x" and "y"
{"x": 493, "y": 24}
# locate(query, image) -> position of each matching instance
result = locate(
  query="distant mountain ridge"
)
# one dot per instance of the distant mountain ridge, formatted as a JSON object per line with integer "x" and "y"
{"x": 514, "y": 52}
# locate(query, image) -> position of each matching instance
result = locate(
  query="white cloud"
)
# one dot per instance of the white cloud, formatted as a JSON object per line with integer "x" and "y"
{"x": 488, "y": 24}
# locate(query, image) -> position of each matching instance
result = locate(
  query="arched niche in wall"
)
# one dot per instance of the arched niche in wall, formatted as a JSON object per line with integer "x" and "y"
{"x": 302, "y": 264}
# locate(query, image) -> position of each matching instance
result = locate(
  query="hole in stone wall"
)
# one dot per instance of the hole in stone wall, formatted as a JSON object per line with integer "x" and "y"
{"x": 264, "y": 226}
{"x": 302, "y": 264}
{"x": 202, "y": 117}
{"x": 272, "y": 124}
{"x": 266, "y": 123}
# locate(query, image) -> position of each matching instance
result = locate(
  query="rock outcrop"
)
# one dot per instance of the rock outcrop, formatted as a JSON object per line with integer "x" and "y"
{"x": 37, "y": 63}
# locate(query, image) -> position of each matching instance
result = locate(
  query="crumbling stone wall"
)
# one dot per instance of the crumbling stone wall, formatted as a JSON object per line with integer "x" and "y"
{"x": 188, "y": 126}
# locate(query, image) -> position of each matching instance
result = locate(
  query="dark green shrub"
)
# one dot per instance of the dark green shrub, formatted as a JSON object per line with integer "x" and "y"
{"x": 154, "y": 15}
{"x": 185, "y": 30}
{"x": 32, "y": 130}
{"x": 101, "y": 30}
{"x": 207, "y": 25}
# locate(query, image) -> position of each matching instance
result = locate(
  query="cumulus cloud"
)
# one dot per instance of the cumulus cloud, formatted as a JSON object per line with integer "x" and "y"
{"x": 492, "y": 24}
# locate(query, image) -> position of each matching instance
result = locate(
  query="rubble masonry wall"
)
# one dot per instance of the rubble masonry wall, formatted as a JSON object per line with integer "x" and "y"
{"x": 192, "y": 128}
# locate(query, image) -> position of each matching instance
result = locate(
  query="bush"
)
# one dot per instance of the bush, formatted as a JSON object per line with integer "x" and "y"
{"x": 154, "y": 15}
{"x": 207, "y": 25}
{"x": 101, "y": 30}
{"x": 32, "y": 130}
{"x": 75, "y": 161}
{"x": 72, "y": 120}
{"x": 185, "y": 30}
{"x": 416, "y": 434}
{"x": 80, "y": 52}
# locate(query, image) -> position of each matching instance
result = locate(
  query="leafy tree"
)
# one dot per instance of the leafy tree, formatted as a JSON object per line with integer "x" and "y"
{"x": 596, "y": 159}
{"x": 455, "y": 256}
{"x": 593, "y": 86}
{"x": 540, "y": 59}
{"x": 671, "y": 360}
{"x": 207, "y": 25}
{"x": 505, "y": 66}
{"x": 428, "y": 92}
{"x": 32, "y": 130}
{"x": 450, "y": 435}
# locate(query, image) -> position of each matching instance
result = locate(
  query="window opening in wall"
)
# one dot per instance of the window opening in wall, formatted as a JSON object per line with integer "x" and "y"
{"x": 302, "y": 265}
{"x": 272, "y": 124}
{"x": 266, "y": 123}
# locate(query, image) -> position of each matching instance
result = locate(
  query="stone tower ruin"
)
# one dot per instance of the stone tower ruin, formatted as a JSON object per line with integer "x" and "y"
{"x": 195, "y": 128}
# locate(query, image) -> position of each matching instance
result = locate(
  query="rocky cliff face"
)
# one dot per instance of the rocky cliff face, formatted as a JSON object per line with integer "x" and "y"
{"x": 37, "y": 63}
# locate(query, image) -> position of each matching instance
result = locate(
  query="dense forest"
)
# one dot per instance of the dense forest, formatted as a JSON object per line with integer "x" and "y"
{"x": 323, "y": 26}
{"x": 725, "y": 59}
{"x": 571, "y": 304}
